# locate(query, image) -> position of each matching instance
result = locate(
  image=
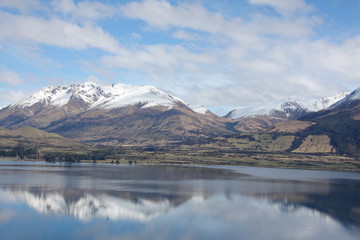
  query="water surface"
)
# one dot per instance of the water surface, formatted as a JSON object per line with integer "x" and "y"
{"x": 92, "y": 201}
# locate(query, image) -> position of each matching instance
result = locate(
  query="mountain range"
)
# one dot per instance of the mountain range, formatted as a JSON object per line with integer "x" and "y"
{"x": 121, "y": 114}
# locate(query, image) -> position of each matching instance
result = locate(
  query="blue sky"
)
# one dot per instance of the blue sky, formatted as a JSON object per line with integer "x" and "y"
{"x": 220, "y": 54}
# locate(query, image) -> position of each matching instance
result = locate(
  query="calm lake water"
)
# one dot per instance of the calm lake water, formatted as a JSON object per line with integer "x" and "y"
{"x": 92, "y": 201}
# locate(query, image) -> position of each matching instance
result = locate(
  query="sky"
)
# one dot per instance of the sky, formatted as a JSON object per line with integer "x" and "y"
{"x": 219, "y": 54}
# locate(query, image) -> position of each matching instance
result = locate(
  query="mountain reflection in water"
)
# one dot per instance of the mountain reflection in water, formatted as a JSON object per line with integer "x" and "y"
{"x": 179, "y": 202}
{"x": 88, "y": 205}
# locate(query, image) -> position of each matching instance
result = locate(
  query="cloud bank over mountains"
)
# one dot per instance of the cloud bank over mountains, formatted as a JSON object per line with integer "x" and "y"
{"x": 220, "y": 55}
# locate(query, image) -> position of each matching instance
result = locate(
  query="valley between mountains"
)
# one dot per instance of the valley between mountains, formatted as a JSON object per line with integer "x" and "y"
{"x": 126, "y": 123}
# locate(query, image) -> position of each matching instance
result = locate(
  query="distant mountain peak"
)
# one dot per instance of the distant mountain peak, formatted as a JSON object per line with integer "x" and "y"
{"x": 350, "y": 100}
{"x": 288, "y": 109}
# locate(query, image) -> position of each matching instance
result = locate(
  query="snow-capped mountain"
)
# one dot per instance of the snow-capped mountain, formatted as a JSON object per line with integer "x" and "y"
{"x": 289, "y": 109}
{"x": 93, "y": 95}
{"x": 351, "y": 100}
{"x": 51, "y": 104}
{"x": 112, "y": 114}
{"x": 315, "y": 105}
{"x": 348, "y": 105}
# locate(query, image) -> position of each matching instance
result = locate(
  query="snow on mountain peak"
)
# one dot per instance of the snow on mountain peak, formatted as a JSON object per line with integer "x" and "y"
{"x": 98, "y": 96}
{"x": 288, "y": 107}
{"x": 348, "y": 99}
{"x": 200, "y": 109}
{"x": 47, "y": 96}
{"x": 355, "y": 95}
{"x": 324, "y": 103}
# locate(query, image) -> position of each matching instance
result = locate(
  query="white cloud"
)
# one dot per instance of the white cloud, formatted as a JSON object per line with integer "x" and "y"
{"x": 11, "y": 96}
{"x": 183, "y": 35}
{"x": 297, "y": 28}
{"x": 285, "y": 7}
{"x": 343, "y": 60}
{"x": 84, "y": 9}
{"x": 226, "y": 43}
{"x": 55, "y": 32}
{"x": 162, "y": 14}
{"x": 9, "y": 76}
{"x": 93, "y": 78}
{"x": 21, "y": 5}
{"x": 157, "y": 58}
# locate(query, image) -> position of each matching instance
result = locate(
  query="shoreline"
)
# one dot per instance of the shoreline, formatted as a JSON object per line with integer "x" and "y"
{"x": 272, "y": 164}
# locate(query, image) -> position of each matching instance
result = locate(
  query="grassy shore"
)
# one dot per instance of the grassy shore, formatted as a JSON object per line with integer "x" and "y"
{"x": 185, "y": 156}
{"x": 273, "y": 160}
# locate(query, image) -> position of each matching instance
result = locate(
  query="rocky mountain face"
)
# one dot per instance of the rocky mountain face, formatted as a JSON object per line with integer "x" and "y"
{"x": 115, "y": 114}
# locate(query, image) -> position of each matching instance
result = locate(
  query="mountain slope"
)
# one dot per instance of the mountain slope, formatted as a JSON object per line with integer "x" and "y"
{"x": 136, "y": 125}
{"x": 30, "y": 136}
{"x": 28, "y": 132}
{"x": 341, "y": 122}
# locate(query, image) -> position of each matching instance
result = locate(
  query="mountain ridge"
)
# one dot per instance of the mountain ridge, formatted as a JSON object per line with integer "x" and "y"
{"x": 121, "y": 114}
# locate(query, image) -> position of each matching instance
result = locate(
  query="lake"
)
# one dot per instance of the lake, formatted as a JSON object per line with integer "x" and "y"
{"x": 41, "y": 200}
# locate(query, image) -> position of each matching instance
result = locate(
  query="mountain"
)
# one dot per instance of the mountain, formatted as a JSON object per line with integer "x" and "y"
{"x": 258, "y": 117}
{"x": 352, "y": 100}
{"x": 53, "y": 103}
{"x": 121, "y": 114}
{"x": 334, "y": 129}
{"x": 340, "y": 122}
{"x": 350, "y": 105}
{"x": 114, "y": 114}
{"x": 290, "y": 109}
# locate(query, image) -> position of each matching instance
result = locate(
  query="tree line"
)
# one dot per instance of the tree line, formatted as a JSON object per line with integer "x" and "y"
{"x": 76, "y": 157}
{"x": 23, "y": 152}
{"x": 20, "y": 152}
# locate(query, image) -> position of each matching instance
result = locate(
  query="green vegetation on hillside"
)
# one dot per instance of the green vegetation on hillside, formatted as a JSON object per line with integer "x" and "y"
{"x": 343, "y": 130}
